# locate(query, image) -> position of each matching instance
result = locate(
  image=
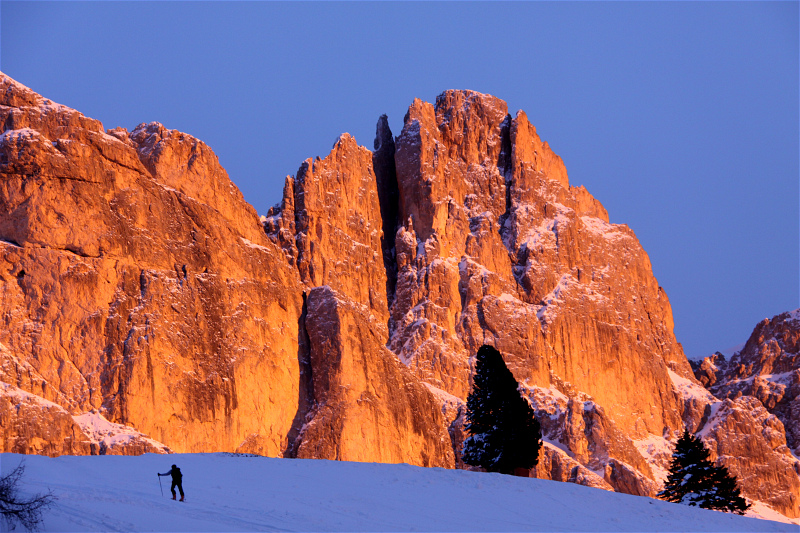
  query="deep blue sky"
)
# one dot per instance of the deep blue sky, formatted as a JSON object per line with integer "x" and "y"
{"x": 680, "y": 117}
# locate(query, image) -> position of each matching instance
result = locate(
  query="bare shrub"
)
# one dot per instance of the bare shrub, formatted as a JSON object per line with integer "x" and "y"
{"x": 18, "y": 510}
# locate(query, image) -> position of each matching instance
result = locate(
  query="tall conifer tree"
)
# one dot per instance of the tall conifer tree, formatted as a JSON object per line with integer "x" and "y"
{"x": 694, "y": 480}
{"x": 504, "y": 434}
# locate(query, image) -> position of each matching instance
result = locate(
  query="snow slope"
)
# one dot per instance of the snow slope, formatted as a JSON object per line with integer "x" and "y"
{"x": 226, "y": 492}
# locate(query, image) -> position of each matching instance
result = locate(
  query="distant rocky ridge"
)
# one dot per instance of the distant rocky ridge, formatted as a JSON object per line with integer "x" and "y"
{"x": 767, "y": 367}
{"x": 138, "y": 287}
{"x": 761, "y": 381}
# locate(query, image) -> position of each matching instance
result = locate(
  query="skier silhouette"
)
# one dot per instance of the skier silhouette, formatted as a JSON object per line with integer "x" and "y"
{"x": 177, "y": 479}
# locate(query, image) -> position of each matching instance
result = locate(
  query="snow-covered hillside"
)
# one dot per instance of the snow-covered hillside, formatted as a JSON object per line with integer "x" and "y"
{"x": 225, "y": 492}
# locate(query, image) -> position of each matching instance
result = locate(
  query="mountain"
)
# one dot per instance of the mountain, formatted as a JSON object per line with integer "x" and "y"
{"x": 229, "y": 492}
{"x": 147, "y": 307}
{"x": 764, "y": 374}
{"x": 766, "y": 367}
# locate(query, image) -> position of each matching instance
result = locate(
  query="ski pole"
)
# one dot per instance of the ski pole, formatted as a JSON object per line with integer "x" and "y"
{"x": 160, "y": 486}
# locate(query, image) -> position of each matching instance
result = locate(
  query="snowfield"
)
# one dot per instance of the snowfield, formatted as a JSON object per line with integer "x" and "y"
{"x": 227, "y": 492}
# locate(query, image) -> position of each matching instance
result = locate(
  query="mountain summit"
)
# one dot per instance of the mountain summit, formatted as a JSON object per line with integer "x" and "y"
{"x": 139, "y": 287}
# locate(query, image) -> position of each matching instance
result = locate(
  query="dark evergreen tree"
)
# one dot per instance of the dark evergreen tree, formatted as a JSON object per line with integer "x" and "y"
{"x": 694, "y": 480}
{"x": 504, "y": 434}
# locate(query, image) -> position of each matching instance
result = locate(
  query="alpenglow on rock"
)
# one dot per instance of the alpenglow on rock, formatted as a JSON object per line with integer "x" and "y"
{"x": 760, "y": 386}
{"x": 146, "y": 307}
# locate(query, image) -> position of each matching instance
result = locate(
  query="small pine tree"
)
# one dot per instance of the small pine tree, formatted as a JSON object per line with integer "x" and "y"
{"x": 694, "y": 480}
{"x": 504, "y": 433}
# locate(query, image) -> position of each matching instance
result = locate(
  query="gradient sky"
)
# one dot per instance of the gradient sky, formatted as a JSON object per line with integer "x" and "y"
{"x": 680, "y": 117}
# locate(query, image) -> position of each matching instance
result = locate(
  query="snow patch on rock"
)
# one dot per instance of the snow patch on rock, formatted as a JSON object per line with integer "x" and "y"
{"x": 602, "y": 228}
{"x": 22, "y": 396}
{"x": 107, "y": 434}
{"x": 657, "y": 451}
{"x": 690, "y": 390}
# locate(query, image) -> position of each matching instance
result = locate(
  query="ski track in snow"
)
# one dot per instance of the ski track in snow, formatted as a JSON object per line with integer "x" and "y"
{"x": 247, "y": 493}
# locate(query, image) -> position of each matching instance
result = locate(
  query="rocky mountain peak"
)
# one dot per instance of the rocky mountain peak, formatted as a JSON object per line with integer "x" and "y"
{"x": 26, "y": 109}
{"x": 767, "y": 368}
{"x": 465, "y": 102}
{"x": 137, "y": 285}
{"x": 182, "y": 162}
{"x": 383, "y": 135}
{"x": 14, "y": 94}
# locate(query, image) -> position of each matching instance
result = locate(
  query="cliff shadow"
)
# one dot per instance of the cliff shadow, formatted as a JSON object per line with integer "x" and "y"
{"x": 305, "y": 391}
{"x": 388, "y": 198}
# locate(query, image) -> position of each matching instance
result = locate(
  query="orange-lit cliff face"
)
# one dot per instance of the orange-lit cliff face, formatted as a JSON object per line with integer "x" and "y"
{"x": 137, "y": 281}
{"x": 139, "y": 287}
